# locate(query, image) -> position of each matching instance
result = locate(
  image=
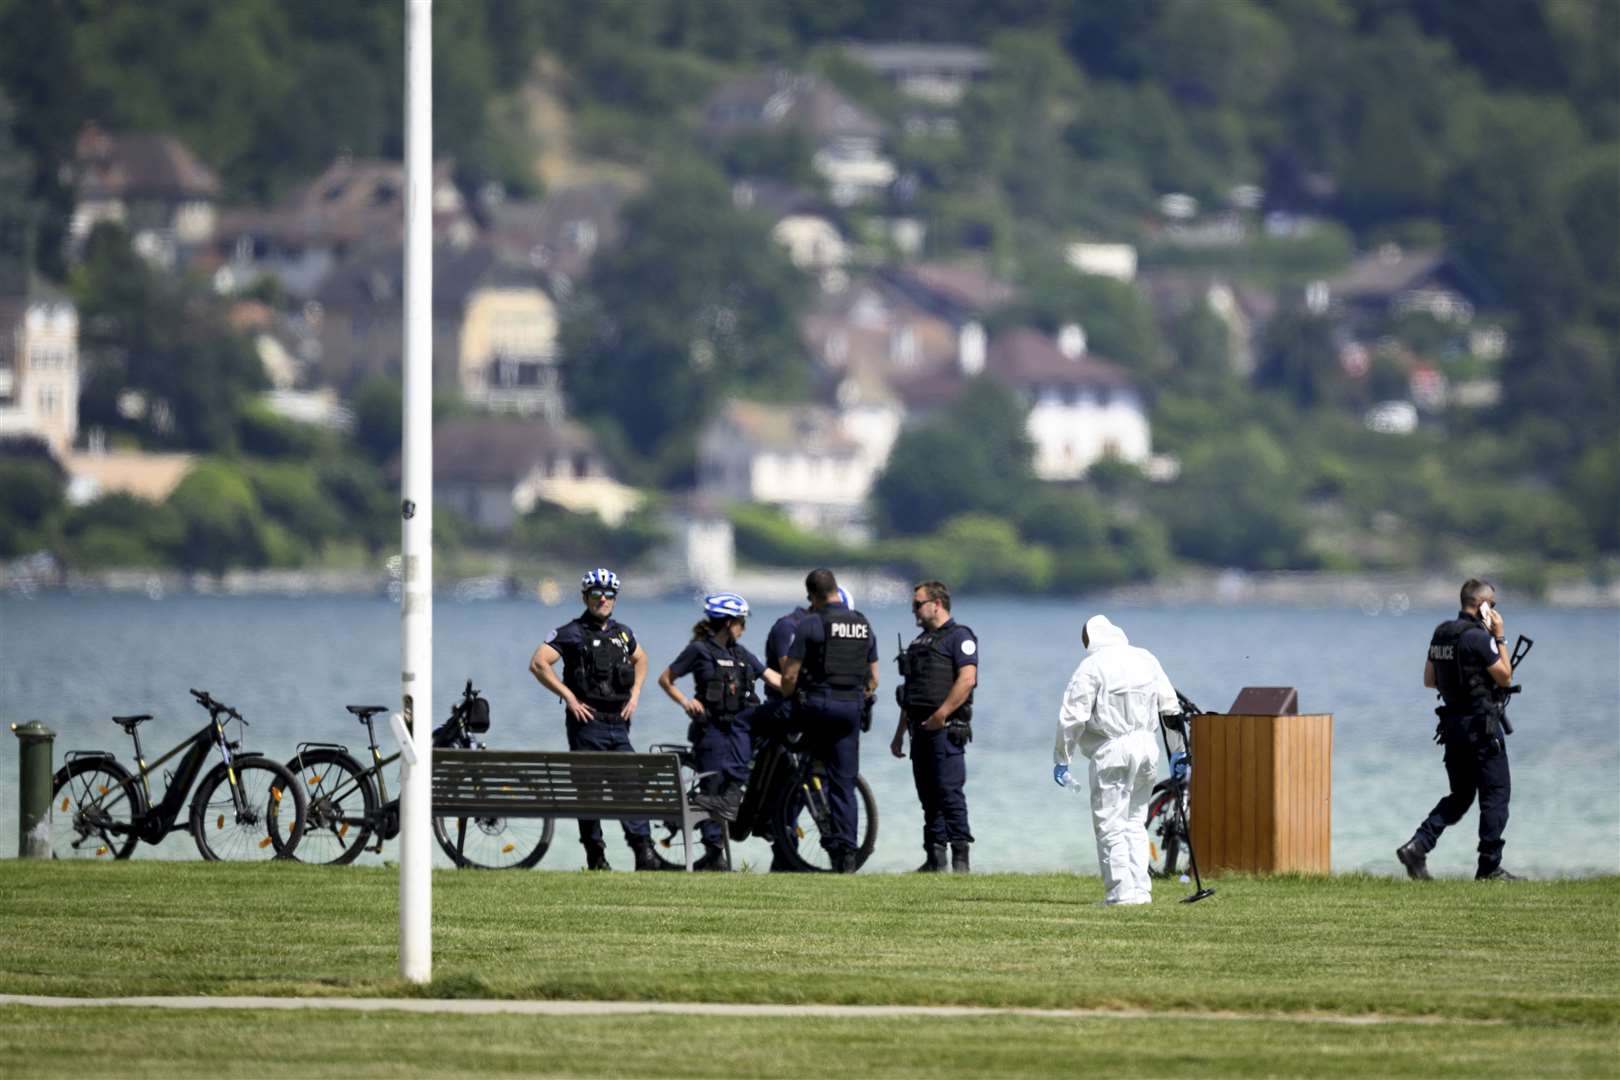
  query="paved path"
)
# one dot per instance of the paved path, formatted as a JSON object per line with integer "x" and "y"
{"x": 486, "y": 1006}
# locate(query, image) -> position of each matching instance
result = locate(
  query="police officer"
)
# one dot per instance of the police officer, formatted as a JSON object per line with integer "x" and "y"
{"x": 1467, "y": 664}
{"x": 721, "y": 708}
{"x": 830, "y": 673}
{"x": 940, "y": 668}
{"x": 603, "y": 669}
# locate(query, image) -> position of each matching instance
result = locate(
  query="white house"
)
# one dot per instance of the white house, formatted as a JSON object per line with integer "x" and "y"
{"x": 152, "y": 185}
{"x": 1082, "y": 408}
{"x": 797, "y": 457}
{"x": 39, "y": 369}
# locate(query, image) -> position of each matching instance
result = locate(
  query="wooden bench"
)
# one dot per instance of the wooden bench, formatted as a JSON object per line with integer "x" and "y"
{"x": 566, "y": 784}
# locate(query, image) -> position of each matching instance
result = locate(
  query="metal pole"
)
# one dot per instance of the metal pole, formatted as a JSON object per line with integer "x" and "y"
{"x": 416, "y": 508}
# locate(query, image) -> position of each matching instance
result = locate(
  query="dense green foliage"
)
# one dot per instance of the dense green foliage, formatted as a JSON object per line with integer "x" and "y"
{"x": 1492, "y": 131}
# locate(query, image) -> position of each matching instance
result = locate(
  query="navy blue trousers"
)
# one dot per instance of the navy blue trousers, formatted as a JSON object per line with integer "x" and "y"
{"x": 724, "y": 749}
{"x": 600, "y": 735}
{"x": 939, "y": 769}
{"x": 832, "y": 727}
{"x": 1474, "y": 767}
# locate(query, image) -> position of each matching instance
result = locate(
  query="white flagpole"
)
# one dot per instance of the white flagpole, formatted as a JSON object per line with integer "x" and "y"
{"x": 416, "y": 600}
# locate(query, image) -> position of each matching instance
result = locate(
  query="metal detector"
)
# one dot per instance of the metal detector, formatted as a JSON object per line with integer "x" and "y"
{"x": 1178, "y": 721}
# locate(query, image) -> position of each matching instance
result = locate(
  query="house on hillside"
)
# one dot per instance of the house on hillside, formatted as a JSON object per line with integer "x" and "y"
{"x": 1393, "y": 281}
{"x": 494, "y": 473}
{"x": 1175, "y": 294}
{"x": 846, "y": 140}
{"x": 1082, "y": 408}
{"x": 933, "y": 78}
{"x": 558, "y": 235}
{"x": 152, "y": 185}
{"x": 796, "y": 457}
{"x": 355, "y": 203}
{"x": 39, "y": 368}
{"x": 494, "y": 328}
{"x": 800, "y": 222}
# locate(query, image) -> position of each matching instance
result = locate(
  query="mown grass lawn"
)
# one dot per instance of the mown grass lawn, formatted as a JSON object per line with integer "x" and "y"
{"x": 1507, "y": 979}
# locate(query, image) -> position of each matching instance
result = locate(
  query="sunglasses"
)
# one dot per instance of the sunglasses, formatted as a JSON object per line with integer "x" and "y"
{"x": 917, "y": 605}
{"x": 601, "y": 594}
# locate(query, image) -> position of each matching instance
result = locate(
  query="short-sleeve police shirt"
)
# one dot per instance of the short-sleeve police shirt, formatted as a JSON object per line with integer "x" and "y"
{"x": 698, "y": 663}
{"x": 1477, "y": 646}
{"x": 960, "y": 643}
{"x": 813, "y": 629}
{"x": 780, "y": 639}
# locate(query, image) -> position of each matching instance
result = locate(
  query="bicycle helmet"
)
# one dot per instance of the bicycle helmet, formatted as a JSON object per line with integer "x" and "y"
{"x": 725, "y": 605}
{"x": 846, "y": 599}
{"x": 600, "y": 578}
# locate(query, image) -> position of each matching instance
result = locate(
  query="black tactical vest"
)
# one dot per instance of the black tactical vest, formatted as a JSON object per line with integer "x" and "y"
{"x": 602, "y": 673}
{"x": 929, "y": 672}
{"x": 727, "y": 690}
{"x": 1466, "y": 687}
{"x": 839, "y": 662}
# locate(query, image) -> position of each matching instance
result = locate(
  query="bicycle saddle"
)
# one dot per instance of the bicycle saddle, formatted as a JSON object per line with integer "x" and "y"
{"x": 365, "y": 712}
{"x": 128, "y": 723}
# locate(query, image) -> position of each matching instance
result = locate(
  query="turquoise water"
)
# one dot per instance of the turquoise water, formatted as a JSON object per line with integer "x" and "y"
{"x": 290, "y": 664}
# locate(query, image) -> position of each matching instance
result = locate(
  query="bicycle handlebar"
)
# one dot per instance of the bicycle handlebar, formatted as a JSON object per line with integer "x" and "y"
{"x": 207, "y": 701}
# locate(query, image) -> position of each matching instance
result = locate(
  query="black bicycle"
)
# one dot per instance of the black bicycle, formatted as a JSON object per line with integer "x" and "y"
{"x": 785, "y": 802}
{"x": 247, "y": 807}
{"x": 350, "y": 810}
{"x": 1166, "y": 827}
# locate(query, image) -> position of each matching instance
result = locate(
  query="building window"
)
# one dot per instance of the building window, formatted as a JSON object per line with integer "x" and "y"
{"x": 49, "y": 399}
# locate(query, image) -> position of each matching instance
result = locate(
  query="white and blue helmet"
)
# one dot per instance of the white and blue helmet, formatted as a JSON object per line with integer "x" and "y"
{"x": 846, "y": 599}
{"x": 600, "y": 578}
{"x": 725, "y": 605}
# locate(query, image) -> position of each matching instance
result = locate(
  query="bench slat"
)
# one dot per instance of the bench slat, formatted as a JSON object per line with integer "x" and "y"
{"x": 493, "y": 783}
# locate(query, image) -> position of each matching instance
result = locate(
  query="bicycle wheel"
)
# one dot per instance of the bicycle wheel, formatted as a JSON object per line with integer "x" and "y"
{"x": 1166, "y": 838}
{"x": 801, "y": 819}
{"x": 94, "y": 806}
{"x": 493, "y": 843}
{"x": 342, "y": 804}
{"x": 271, "y": 820}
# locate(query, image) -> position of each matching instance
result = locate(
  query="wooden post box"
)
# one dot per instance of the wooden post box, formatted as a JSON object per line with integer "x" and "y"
{"x": 1262, "y": 793}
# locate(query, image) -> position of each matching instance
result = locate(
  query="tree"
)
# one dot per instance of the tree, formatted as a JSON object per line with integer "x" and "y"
{"x": 164, "y": 339}
{"x": 699, "y": 303}
{"x": 220, "y": 519}
{"x": 1237, "y": 503}
{"x": 974, "y": 458}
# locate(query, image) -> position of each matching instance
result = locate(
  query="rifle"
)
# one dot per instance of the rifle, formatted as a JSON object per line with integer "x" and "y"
{"x": 1502, "y": 694}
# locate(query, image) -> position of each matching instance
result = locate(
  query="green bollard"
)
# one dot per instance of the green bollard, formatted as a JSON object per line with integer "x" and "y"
{"x": 34, "y": 776}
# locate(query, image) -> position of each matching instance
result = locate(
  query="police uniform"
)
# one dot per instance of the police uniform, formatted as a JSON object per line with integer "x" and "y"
{"x": 837, "y": 648}
{"x": 598, "y": 666}
{"x": 939, "y": 758}
{"x": 724, "y": 677}
{"x": 1470, "y": 729}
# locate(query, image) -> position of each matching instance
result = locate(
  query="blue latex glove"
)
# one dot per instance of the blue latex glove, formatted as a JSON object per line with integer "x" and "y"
{"x": 1179, "y": 767}
{"x": 1060, "y": 775}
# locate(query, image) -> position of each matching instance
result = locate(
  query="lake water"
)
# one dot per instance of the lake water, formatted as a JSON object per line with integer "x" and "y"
{"x": 290, "y": 664}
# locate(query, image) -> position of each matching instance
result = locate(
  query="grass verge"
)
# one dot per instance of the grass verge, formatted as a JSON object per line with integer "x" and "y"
{"x": 1542, "y": 959}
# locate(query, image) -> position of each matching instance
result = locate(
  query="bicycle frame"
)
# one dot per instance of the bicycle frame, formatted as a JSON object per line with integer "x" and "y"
{"x": 157, "y": 820}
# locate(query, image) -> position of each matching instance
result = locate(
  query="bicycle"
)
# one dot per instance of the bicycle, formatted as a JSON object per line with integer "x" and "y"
{"x": 1166, "y": 822}
{"x": 785, "y": 802}
{"x": 350, "y": 810}
{"x": 241, "y": 809}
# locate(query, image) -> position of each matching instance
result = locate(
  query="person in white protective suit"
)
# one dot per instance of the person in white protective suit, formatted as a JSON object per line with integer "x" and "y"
{"x": 1110, "y": 714}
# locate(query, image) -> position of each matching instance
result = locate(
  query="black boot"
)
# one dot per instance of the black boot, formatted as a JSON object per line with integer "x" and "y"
{"x": 843, "y": 862}
{"x": 1415, "y": 859}
{"x": 959, "y": 859}
{"x": 714, "y": 858}
{"x": 935, "y": 861}
{"x": 1495, "y": 873}
{"x": 596, "y": 857}
{"x": 646, "y": 856}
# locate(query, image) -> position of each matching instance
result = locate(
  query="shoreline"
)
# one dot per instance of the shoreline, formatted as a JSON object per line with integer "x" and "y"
{"x": 1372, "y": 593}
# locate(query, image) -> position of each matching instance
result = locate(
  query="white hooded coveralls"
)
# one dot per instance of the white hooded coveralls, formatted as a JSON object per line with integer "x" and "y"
{"x": 1110, "y": 714}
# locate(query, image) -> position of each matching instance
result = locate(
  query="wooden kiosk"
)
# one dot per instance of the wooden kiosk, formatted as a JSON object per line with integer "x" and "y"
{"x": 1262, "y": 786}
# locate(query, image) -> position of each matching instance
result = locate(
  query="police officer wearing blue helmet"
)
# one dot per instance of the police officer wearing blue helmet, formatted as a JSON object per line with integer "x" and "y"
{"x": 940, "y": 668}
{"x": 721, "y": 708}
{"x": 830, "y": 672}
{"x": 603, "y": 669}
